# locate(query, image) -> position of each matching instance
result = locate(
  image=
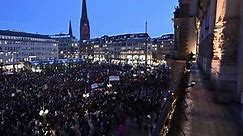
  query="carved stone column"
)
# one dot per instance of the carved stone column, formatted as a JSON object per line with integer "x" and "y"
{"x": 217, "y": 39}
{"x": 207, "y": 16}
{"x": 226, "y": 40}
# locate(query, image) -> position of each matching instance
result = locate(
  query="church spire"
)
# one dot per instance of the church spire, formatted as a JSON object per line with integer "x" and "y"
{"x": 84, "y": 23}
{"x": 84, "y": 11}
{"x": 70, "y": 31}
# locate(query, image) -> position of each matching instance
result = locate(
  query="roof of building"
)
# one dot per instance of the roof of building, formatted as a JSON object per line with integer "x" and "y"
{"x": 23, "y": 34}
{"x": 64, "y": 37}
{"x": 167, "y": 36}
{"x": 118, "y": 38}
{"x": 57, "y": 36}
{"x": 140, "y": 35}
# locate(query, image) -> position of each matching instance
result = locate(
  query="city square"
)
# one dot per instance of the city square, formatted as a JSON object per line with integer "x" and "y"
{"x": 122, "y": 68}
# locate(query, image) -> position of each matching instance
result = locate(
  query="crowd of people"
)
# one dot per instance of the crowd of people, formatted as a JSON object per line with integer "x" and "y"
{"x": 62, "y": 102}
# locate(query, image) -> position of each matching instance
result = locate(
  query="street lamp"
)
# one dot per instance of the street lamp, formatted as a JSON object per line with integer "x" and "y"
{"x": 1, "y": 64}
{"x": 61, "y": 56}
{"x": 1, "y": 51}
{"x": 13, "y": 60}
{"x": 69, "y": 55}
{"x": 86, "y": 94}
{"x": 146, "y": 46}
{"x": 75, "y": 54}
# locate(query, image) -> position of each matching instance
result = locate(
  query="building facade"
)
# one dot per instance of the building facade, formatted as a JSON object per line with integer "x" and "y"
{"x": 21, "y": 46}
{"x": 163, "y": 47}
{"x": 127, "y": 48}
{"x": 67, "y": 44}
{"x": 221, "y": 45}
{"x": 134, "y": 49}
{"x": 220, "y": 49}
{"x": 185, "y": 24}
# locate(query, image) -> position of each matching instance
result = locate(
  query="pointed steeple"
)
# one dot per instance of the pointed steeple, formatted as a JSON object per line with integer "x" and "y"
{"x": 84, "y": 23}
{"x": 70, "y": 31}
{"x": 84, "y": 11}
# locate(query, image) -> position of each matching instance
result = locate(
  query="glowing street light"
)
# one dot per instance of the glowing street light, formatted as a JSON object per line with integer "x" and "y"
{"x": 1, "y": 62}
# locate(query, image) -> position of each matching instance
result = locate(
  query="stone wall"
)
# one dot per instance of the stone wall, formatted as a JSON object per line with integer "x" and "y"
{"x": 185, "y": 27}
{"x": 240, "y": 60}
{"x": 218, "y": 48}
{"x": 240, "y": 69}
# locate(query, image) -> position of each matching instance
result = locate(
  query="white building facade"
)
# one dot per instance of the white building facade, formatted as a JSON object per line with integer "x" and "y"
{"x": 163, "y": 47}
{"x": 126, "y": 48}
{"x": 21, "y": 46}
{"x": 67, "y": 46}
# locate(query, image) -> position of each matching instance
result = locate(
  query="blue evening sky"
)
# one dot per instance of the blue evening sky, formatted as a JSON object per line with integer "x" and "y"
{"x": 106, "y": 17}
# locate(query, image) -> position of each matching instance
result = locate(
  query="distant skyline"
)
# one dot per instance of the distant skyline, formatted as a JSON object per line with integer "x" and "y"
{"x": 106, "y": 17}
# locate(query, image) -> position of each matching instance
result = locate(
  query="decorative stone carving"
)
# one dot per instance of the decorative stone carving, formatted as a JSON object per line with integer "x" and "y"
{"x": 231, "y": 40}
{"x": 218, "y": 41}
{"x": 218, "y": 38}
{"x": 226, "y": 37}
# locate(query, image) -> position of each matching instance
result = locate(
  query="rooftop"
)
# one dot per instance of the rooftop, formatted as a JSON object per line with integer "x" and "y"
{"x": 23, "y": 34}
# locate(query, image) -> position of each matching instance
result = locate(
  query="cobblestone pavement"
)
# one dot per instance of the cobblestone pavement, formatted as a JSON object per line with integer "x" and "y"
{"x": 205, "y": 116}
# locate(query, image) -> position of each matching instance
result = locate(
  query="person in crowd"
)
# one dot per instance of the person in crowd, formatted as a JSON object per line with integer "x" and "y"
{"x": 62, "y": 102}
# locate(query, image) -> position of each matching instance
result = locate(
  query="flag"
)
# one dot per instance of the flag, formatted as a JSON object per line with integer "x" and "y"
{"x": 114, "y": 78}
{"x": 95, "y": 85}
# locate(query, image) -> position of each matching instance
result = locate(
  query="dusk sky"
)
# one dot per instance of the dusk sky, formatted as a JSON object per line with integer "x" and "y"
{"x": 106, "y": 17}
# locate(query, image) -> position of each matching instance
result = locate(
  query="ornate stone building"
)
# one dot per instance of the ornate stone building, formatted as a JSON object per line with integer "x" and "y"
{"x": 163, "y": 47}
{"x": 213, "y": 29}
{"x": 126, "y": 48}
{"x": 221, "y": 46}
{"x": 185, "y": 27}
{"x": 218, "y": 25}
{"x": 67, "y": 44}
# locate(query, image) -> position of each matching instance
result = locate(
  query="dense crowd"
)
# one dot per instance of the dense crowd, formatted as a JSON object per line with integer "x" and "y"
{"x": 54, "y": 102}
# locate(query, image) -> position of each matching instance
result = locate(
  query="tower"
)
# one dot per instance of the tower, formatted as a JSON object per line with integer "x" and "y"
{"x": 84, "y": 23}
{"x": 70, "y": 31}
